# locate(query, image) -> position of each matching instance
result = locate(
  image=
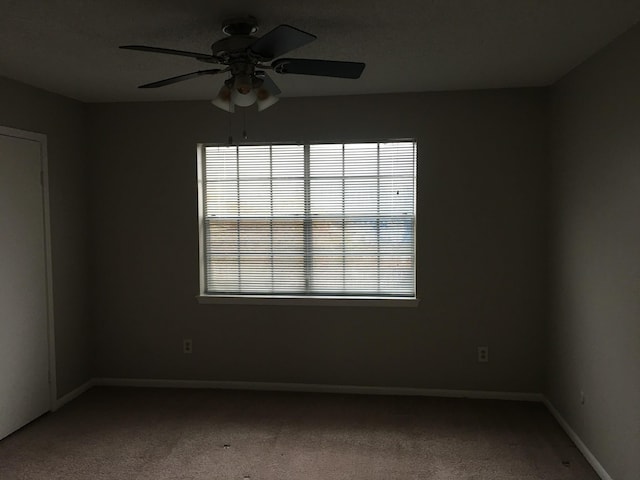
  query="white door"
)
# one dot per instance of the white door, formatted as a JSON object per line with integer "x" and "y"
{"x": 24, "y": 326}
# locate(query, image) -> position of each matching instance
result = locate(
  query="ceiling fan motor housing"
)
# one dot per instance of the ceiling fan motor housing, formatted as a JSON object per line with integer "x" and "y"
{"x": 229, "y": 47}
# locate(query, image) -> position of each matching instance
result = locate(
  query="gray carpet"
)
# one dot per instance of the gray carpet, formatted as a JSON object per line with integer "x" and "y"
{"x": 127, "y": 433}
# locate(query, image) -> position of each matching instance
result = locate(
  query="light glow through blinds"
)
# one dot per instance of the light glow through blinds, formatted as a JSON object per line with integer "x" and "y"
{"x": 310, "y": 220}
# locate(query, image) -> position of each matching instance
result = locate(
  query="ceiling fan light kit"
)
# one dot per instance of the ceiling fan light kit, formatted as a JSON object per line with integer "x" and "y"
{"x": 246, "y": 58}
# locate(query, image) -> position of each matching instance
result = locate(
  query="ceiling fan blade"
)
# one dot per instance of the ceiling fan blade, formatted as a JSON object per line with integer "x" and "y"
{"x": 323, "y": 68}
{"x": 198, "y": 56}
{"x": 180, "y": 78}
{"x": 279, "y": 41}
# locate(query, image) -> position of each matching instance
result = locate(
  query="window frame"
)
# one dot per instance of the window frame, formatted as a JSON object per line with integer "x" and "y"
{"x": 294, "y": 300}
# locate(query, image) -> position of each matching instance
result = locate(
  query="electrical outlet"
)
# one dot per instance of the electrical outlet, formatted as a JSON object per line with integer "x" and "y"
{"x": 187, "y": 346}
{"x": 483, "y": 354}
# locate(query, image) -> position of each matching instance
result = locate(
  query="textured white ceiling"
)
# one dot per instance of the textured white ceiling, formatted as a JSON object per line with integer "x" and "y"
{"x": 70, "y": 46}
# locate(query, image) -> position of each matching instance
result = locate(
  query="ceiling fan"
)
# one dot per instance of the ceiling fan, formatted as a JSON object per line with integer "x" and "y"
{"x": 247, "y": 58}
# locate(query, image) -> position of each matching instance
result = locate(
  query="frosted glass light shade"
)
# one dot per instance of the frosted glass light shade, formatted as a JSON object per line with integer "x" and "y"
{"x": 243, "y": 100}
{"x": 223, "y": 100}
{"x": 265, "y": 99}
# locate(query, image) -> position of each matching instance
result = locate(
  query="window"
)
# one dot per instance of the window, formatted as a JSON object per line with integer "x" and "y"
{"x": 314, "y": 220}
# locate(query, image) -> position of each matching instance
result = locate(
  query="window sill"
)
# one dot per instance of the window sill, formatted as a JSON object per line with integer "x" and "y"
{"x": 309, "y": 301}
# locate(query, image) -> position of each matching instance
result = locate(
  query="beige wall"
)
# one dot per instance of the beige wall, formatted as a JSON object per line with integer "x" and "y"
{"x": 481, "y": 247}
{"x": 595, "y": 335}
{"x": 62, "y": 120}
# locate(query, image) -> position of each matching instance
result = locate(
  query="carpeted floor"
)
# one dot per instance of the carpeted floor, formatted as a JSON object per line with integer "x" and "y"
{"x": 127, "y": 433}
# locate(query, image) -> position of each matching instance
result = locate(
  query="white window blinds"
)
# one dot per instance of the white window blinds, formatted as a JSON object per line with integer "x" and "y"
{"x": 309, "y": 220}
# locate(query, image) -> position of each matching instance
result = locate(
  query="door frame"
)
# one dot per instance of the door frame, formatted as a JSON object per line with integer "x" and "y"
{"x": 41, "y": 139}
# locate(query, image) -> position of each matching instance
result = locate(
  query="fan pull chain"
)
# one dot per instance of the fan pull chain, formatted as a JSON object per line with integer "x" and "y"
{"x": 230, "y": 135}
{"x": 244, "y": 125}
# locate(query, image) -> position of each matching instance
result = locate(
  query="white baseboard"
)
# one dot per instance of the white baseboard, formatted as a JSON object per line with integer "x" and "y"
{"x": 72, "y": 395}
{"x": 317, "y": 388}
{"x": 593, "y": 461}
